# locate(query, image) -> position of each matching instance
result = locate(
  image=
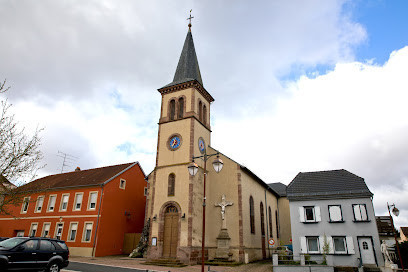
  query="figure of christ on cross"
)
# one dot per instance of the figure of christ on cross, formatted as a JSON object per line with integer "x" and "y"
{"x": 223, "y": 204}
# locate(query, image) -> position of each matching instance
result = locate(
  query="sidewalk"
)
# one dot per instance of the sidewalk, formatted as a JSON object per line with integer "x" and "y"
{"x": 123, "y": 261}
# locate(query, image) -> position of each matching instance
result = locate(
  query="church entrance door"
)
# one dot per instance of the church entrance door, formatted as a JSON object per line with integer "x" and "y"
{"x": 171, "y": 231}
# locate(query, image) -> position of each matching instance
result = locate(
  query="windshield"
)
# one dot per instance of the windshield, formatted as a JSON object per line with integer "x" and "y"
{"x": 12, "y": 242}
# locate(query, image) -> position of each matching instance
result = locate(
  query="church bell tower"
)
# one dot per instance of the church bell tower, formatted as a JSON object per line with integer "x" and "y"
{"x": 175, "y": 197}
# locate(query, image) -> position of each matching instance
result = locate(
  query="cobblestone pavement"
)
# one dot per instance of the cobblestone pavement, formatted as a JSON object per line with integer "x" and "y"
{"x": 122, "y": 261}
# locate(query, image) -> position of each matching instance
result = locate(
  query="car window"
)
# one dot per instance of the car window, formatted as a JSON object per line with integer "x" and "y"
{"x": 12, "y": 242}
{"x": 62, "y": 245}
{"x": 46, "y": 245}
{"x": 30, "y": 245}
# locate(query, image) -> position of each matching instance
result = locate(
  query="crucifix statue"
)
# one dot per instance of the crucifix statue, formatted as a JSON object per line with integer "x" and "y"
{"x": 189, "y": 18}
{"x": 223, "y": 204}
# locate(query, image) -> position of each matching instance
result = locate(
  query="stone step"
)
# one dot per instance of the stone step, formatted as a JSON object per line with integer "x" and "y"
{"x": 166, "y": 262}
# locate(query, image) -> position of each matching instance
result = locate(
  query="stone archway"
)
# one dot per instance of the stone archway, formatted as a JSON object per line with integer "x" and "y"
{"x": 170, "y": 232}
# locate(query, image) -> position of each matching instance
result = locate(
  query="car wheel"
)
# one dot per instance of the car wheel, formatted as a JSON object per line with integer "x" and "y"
{"x": 53, "y": 267}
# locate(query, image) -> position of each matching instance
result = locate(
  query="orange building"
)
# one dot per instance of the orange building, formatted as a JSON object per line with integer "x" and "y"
{"x": 91, "y": 210}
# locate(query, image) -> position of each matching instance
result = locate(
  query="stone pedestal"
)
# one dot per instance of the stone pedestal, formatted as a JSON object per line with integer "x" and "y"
{"x": 223, "y": 245}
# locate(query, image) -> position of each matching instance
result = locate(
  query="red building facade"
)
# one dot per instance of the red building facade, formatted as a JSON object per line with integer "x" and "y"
{"x": 89, "y": 209}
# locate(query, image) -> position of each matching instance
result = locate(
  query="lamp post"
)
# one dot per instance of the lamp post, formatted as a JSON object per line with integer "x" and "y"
{"x": 395, "y": 211}
{"x": 193, "y": 169}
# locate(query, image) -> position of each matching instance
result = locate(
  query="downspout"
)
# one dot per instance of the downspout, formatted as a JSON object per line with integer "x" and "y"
{"x": 97, "y": 223}
{"x": 267, "y": 226}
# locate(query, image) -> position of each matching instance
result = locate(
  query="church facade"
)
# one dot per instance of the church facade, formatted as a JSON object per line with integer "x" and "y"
{"x": 242, "y": 211}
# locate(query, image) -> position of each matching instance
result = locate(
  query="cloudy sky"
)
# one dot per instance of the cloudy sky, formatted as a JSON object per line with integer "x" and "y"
{"x": 298, "y": 85}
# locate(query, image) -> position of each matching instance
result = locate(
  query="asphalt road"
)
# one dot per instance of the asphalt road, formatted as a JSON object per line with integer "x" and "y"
{"x": 84, "y": 267}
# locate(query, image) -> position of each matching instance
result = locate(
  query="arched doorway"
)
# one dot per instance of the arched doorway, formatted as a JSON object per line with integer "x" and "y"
{"x": 170, "y": 235}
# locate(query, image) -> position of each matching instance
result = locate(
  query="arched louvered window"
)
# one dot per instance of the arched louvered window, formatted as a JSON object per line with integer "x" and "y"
{"x": 261, "y": 207}
{"x": 270, "y": 222}
{"x": 181, "y": 108}
{"x": 172, "y": 109}
{"x": 277, "y": 224}
{"x": 172, "y": 185}
{"x": 200, "y": 111}
{"x": 204, "y": 114}
{"x": 252, "y": 214}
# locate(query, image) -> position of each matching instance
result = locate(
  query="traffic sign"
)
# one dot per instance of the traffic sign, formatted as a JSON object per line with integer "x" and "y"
{"x": 271, "y": 242}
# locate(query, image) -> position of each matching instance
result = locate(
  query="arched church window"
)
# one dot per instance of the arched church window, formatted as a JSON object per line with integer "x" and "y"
{"x": 172, "y": 185}
{"x": 204, "y": 114}
{"x": 277, "y": 224}
{"x": 172, "y": 109}
{"x": 200, "y": 111}
{"x": 180, "y": 107}
{"x": 261, "y": 207}
{"x": 270, "y": 222}
{"x": 251, "y": 214}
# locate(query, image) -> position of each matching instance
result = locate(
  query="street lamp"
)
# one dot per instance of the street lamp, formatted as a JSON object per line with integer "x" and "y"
{"x": 396, "y": 212}
{"x": 193, "y": 169}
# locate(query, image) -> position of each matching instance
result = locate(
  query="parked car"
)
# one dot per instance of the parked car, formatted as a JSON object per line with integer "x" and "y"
{"x": 33, "y": 253}
{"x": 282, "y": 250}
{"x": 3, "y": 238}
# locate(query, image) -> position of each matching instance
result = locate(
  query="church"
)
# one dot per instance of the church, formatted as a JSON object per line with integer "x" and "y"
{"x": 242, "y": 212}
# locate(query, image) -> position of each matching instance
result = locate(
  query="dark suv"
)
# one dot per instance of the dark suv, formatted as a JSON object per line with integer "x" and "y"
{"x": 33, "y": 253}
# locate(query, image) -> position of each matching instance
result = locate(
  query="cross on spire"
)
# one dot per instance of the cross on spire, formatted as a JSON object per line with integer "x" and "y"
{"x": 189, "y": 18}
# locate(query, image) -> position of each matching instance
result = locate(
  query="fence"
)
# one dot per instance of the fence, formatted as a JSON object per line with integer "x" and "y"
{"x": 301, "y": 263}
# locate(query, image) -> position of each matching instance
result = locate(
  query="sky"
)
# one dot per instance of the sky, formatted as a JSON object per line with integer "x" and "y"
{"x": 298, "y": 85}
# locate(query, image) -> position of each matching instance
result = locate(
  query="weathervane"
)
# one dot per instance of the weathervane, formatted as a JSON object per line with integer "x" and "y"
{"x": 189, "y": 18}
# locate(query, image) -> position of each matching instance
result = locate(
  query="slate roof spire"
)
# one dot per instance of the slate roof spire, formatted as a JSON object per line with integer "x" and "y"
{"x": 187, "y": 68}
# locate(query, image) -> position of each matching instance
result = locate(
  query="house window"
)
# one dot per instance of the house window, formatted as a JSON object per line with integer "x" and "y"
{"x": 262, "y": 219}
{"x": 270, "y": 223}
{"x": 46, "y": 230}
{"x": 92, "y": 200}
{"x": 24, "y": 207}
{"x": 87, "y": 232}
{"x": 171, "y": 185}
{"x": 78, "y": 201}
{"x": 204, "y": 114}
{"x": 58, "y": 230}
{"x": 64, "y": 202}
{"x": 51, "y": 203}
{"x": 312, "y": 244}
{"x": 339, "y": 245}
{"x": 73, "y": 227}
{"x": 360, "y": 212}
{"x": 309, "y": 214}
{"x": 39, "y": 204}
{"x": 122, "y": 184}
{"x": 251, "y": 214}
{"x": 145, "y": 191}
{"x": 172, "y": 109}
{"x": 33, "y": 229}
{"x": 181, "y": 107}
{"x": 335, "y": 214}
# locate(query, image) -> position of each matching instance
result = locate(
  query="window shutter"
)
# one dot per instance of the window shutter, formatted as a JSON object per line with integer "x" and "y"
{"x": 303, "y": 245}
{"x": 331, "y": 245}
{"x": 317, "y": 214}
{"x": 301, "y": 214}
{"x": 350, "y": 245}
{"x": 321, "y": 243}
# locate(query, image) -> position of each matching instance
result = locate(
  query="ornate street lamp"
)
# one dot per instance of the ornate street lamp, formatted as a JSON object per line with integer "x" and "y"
{"x": 193, "y": 169}
{"x": 396, "y": 212}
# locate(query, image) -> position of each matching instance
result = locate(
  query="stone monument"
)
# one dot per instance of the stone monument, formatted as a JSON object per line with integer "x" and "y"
{"x": 223, "y": 239}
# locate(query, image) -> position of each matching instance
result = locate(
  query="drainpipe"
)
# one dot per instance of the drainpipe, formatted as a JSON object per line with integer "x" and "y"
{"x": 97, "y": 223}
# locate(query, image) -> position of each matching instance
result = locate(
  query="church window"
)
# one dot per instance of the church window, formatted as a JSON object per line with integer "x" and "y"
{"x": 181, "y": 108}
{"x": 172, "y": 109}
{"x": 200, "y": 111}
{"x": 270, "y": 222}
{"x": 204, "y": 114}
{"x": 172, "y": 184}
{"x": 251, "y": 214}
{"x": 277, "y": 224}
{"x": 261, "y": 207}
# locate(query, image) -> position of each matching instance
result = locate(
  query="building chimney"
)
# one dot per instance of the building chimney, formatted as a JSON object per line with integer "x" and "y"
{"x": 77, "y": 169}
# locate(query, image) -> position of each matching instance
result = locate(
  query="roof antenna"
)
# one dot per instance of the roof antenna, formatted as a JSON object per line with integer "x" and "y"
{"x": 189, "y": 18}
{"x": 67, "y": 158}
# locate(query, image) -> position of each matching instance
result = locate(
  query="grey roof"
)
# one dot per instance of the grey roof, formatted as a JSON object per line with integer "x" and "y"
{"x": 187, "y": 68}
{"x": 278, "y": 187}
{"x": 333, "y": 184}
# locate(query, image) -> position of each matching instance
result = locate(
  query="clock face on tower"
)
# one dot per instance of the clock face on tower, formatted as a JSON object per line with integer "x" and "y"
{"x": 201, "y": 145}
{"x": 174, "y": 142}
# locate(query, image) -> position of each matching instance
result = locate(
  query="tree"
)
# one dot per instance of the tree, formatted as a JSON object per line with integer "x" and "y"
{"x": 20, "y": 155}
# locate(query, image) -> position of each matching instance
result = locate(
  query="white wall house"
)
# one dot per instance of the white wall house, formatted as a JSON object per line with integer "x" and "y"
{"x": 334, "y": 208}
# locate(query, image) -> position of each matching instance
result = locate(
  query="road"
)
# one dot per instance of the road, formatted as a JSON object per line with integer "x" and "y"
{"x": 85, "y": 267}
